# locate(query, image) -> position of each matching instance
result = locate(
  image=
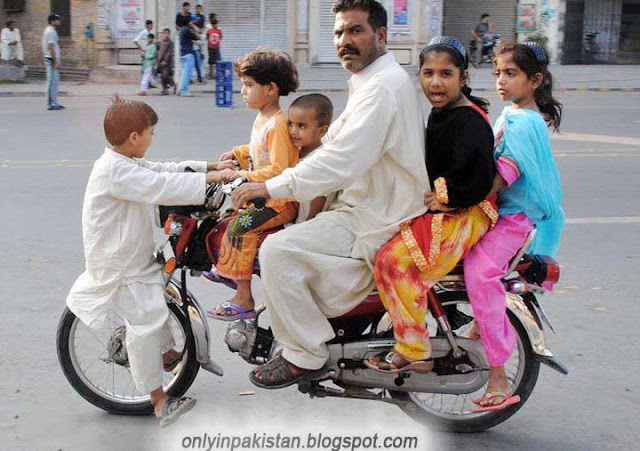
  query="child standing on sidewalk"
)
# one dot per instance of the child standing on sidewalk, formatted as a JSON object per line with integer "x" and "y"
{"x": 121, "y": 274}
{"x": 214, "y": 41}
{"x": 148, "y": 64}
{"x": 265, "y": 76}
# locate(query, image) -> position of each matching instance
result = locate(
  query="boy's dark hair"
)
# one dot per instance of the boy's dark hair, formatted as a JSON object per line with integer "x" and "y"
{"x": 198, "y": 6}
{"x": 9, "y": 22}
{"x": 377, "y": 13}
{"x": 166, "y": 29}
{"x": 214, "y": 21}
{"x": 485, "y": 15}
{"x": 149, "y": 22}
{"x": 124, "y": 117}
{"x": 319, "y": 103}
{"x": 269, "y": 66}
{"x": 151, "y": 35}
{"x": 186, "y": 4}
{"x": 525, "y": 58}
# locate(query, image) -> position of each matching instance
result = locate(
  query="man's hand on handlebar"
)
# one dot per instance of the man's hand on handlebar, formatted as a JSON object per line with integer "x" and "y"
{"x": 226, "y": 156}
{"x": 228, "y": 175}
{"x": 220, "y": 165}
{"x": 214, "y": 177}
{"x": 247, "y": 192}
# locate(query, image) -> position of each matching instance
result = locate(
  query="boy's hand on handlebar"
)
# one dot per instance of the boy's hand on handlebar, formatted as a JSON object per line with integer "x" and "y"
{"x": 431, "y": 201}
{"x": 226, "y": 156}
{"x": 246, "y": 192}
{"x": 228, "y": 175}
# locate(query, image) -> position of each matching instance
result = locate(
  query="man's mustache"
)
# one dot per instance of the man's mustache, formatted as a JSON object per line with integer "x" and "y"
{"x": 349, "y": 50}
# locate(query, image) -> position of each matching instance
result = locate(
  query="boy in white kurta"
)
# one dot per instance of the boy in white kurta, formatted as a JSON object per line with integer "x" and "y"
{"x": 121, "y": 274}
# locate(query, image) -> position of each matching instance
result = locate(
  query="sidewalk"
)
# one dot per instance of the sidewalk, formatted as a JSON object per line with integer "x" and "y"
{"x": 601, "y": 78}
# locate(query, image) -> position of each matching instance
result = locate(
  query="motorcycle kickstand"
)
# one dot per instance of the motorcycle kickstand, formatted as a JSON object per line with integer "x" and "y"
{"x": 315, "y": 390}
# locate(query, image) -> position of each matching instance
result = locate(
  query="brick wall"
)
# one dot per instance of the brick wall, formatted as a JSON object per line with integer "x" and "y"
{"x": 33, "y": 21}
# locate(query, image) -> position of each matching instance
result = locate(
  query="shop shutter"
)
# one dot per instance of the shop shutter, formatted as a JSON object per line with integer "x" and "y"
{"x": 326, "y": 49}
{"x": 461, "y": 16}
{"x": 248, "y": 24}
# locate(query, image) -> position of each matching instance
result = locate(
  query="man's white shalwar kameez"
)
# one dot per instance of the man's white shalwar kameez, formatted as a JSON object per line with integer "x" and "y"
{"x": 121, "y": 274}
{"x": 11, "y": 52}
{"x": 374, "y": 156}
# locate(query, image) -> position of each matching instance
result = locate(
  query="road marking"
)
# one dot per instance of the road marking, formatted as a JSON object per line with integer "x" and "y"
{"x": 605, "y": 220}
{"x": 585, "y": 137}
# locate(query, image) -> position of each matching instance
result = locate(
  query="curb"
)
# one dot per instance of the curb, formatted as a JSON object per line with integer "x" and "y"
{"x": 305, "y": 90}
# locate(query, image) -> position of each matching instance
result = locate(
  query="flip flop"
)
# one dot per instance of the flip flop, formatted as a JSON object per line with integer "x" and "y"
{"x": 229, "y": 307}
{"x": 173, "y": 408}
{"x": 213, "y": 276}
{"x": 508, "y": 401}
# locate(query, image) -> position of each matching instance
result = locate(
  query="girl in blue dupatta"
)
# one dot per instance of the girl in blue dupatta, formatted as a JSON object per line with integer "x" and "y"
{"x": 529, "y": 195}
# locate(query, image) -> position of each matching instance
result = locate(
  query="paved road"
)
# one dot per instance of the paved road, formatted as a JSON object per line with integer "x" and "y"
{"x": 44, "y": 164}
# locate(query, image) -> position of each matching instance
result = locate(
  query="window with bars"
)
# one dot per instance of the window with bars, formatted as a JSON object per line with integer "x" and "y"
{"x": 63, "y": 8}
{"x": 14, "y": 5}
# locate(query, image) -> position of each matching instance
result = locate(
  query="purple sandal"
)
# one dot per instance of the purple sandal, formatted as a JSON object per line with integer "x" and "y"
{"x": 213, "y": 276}
{"x": 229, "y": 315}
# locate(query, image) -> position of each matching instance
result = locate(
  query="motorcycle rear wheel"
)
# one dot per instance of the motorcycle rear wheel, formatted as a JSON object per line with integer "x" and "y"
{"x": 127, "y": 400}
{"x": 430, "y": 410}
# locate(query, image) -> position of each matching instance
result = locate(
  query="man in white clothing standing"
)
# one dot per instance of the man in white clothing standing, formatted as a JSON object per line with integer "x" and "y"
{"x": 374, "y": 157}
{"x": 11, "y": 49}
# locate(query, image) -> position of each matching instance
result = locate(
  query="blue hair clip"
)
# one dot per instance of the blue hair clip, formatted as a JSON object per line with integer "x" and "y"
{"x": 449, "y": 42}
{"x": 538, "y": 50}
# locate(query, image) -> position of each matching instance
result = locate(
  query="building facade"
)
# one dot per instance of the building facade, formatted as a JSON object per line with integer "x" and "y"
{"x": 573, "y": 31}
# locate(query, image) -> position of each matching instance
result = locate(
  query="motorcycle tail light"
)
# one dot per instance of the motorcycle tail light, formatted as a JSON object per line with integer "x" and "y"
{"x": 540, "y": 269}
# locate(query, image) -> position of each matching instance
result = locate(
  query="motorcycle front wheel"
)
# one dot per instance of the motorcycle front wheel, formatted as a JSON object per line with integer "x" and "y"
{"x": 453, "y": 413}
{"x": 97, "y": 368}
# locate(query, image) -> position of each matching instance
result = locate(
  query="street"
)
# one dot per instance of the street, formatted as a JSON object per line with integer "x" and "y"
{"x": 45, "y": 160}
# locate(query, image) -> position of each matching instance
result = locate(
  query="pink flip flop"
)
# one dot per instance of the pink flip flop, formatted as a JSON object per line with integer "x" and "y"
{"x": 508, "y": 401}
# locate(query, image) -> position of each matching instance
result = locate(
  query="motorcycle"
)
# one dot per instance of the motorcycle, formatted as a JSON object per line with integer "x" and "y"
{"x": 441, "y": 398}
{"x": 489, "y": 44}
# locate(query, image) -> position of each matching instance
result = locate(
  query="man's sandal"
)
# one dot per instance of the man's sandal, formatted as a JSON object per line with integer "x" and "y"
{"x": 392, "y": 362}
{"x": 172, "y": 364}
{"x": 173, "y": 408}
{"x": 276, "y": 373}
{"x": 508, "y": 401}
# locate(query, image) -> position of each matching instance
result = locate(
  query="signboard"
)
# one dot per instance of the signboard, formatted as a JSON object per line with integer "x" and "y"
{"x": 526, "y": 22}
{"x": 400, "y": 15}
{"x": 129, "y": 18}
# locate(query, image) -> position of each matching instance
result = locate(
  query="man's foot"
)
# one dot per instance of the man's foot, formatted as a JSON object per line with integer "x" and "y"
{"x": 169, "y": 409}
{"x": 165, "y": 92}
{"x": 279, "y": 373}
{"x": 142, "y": 93}
{"x": 394, "y": 362}
{"x": 497, "y": 396}
{"x": 171, "y": 359}
{"x": 55, "y": 108}
{"x": 474, "y": 332}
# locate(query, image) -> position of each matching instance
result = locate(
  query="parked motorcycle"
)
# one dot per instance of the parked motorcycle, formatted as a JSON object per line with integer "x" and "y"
{"x": 96, "y": 365}
{"x": 489, "y": 44}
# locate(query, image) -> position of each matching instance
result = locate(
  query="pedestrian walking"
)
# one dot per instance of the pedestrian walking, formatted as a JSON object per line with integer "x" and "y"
{"x": 187, "y": 58}
{"x": 51, "y": 51}
{"x": 11, "y": 49}
{"x": 141, "y": 43}
{"x": 214, "y": 41}
{"x": 148, "y": 64}
{"x": 165, "y": 61}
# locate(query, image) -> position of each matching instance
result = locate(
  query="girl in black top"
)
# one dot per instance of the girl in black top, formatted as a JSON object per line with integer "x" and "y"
{"x": 461, "y": 172}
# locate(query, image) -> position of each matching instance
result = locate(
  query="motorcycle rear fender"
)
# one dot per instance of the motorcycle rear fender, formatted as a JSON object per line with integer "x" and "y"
{"x": 530, "y": 320}
{"x": 199, "y": 326}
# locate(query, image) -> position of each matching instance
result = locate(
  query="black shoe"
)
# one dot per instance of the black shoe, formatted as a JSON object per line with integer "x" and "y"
{"x": 60, "y": 107}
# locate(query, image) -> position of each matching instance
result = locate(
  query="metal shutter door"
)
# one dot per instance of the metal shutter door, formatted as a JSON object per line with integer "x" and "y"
{"x": 326, "y": 49}
{"x": 461, "y": 16}
{"x": 248, "y": 24}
